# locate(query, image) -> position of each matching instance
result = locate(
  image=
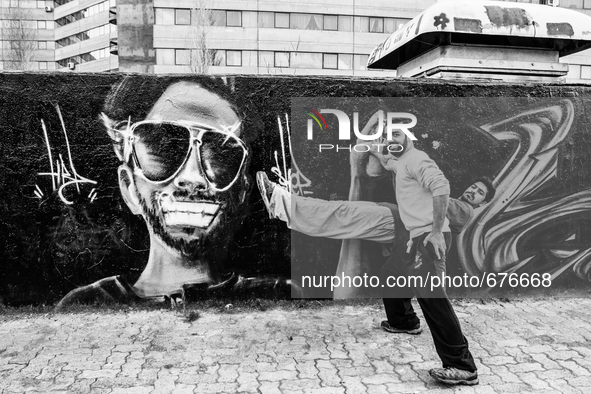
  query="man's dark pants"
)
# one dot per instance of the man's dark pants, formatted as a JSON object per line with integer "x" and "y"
{"x": 450, "y": 343}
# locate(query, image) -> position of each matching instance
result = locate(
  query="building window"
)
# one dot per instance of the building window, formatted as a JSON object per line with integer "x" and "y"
{"x": 234, "y": 18}
{"x": 345, "y": 23}
{"x": 182, "y": 17}
{"x": 360, "y": 62}
{"x": 331, "y": 22}
{"x": 585, "y": 72}
{"x": 42, "y": 65}
{"x": 574, "y": 71}
{"x": 165, "y": 56}
{"x": 266, "y": 59}
{"x": 218, "y": 18}
{"x": 376, "y": 25}
{"x": 587, "y": 4}
{"x": 182, "y": 56}
{"x": 281, "y": 20}
{"x": 41, "y": 25}
{"x": 362, "y": 24}
{"x": 281, "y": 59}
{"x": 234, "y": 58}
{"x": 571, "y": 4}
{"x": 345, "y": 61}
{"x": 42, "y": 44}
{"x": 390, "y": 25}
{"x": 94, "y": 55}
{"x": 305, "y": 21}
{"x": 164, "y": 16}
{"x": 330, "y": 60}
{"x": 306, "y": 60}
{"x": 266, "y": 20}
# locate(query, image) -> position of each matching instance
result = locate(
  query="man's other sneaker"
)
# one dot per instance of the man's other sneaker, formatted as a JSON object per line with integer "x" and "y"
{"x": 413, "y": 330}
{"x": 452, "y": 375}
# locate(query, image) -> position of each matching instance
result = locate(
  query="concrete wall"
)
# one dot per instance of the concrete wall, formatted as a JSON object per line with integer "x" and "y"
{"x": 135, "y": 25}
{"x": 71, "y": 221}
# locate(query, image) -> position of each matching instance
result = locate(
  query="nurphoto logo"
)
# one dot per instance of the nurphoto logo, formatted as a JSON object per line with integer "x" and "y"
{"x": 386, "y": 124}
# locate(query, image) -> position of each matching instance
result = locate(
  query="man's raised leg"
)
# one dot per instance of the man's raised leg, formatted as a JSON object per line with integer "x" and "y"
{"x": 330, "y": 219}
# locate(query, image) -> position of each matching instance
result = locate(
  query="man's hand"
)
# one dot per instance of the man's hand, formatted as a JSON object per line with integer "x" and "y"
{"x": 388, "y": 160}
{"x": 438, "y": 241}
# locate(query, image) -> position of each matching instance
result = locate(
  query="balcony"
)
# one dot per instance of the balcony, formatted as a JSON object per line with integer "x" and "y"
{"x": 113, "y": 47}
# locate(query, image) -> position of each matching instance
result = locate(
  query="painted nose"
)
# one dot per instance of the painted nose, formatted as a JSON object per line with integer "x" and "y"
{"x": 191, "y": 177}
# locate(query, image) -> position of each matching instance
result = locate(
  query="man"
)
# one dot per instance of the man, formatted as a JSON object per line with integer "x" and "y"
{"x": 183, "y": 158}
{"x": 422, "y": 194}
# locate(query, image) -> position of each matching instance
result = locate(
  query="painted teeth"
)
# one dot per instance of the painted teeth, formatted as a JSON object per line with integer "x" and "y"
{"x": 186, "y": 219}
{"x": 190, "y": 207}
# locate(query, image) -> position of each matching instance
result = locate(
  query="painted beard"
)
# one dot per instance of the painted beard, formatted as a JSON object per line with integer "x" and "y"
{"x": 204, "y": 237}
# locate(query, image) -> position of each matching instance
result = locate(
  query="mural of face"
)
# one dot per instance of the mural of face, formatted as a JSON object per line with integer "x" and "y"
{"x": 188, "y": 161}
{"x": 475, "y": 194}
{"x": 184, "y": 173}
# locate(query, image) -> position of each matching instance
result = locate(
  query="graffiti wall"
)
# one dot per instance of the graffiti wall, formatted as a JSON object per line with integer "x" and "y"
{"x": 121, "y": 188}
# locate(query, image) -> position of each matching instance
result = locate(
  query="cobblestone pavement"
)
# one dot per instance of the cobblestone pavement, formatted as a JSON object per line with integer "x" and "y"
{"x": 531, "y": 346}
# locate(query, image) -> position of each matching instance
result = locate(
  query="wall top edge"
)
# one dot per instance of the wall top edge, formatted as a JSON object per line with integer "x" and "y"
{"x": 114, "y": 76}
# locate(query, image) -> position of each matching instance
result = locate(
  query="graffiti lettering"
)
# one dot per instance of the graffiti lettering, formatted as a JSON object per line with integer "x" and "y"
{"x": 61, "y": 176}
{"x": 290, "y": 178}
{"x": 494, "y": 241}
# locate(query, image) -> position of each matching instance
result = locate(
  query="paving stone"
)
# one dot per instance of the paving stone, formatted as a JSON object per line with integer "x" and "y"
{"x": 533, "y": 380}
{"x": 519, "y": 346}
{"x": 100, "y": 373}
{"x": 564, "y": 387}
{"x": 132, "y": 390}
{"x": 353, "y": 384}
{"x": 574, "y": 367}
{"x": 300, "y": 384}
{"x": 380, "y": 379}
{"x": 270, "y": 388}
{"x": 275, "y": 376}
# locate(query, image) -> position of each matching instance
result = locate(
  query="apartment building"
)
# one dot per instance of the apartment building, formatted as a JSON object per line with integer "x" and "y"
{"x": 330, "y": 37}
{"x": 75, "y": 35}
{"x": 333, "y": 37}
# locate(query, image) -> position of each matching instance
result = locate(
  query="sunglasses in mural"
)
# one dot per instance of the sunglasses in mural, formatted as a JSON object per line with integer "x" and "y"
{"x": 160, "y": 149}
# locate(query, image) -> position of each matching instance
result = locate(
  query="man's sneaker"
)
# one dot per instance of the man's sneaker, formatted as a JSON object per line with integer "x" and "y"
{"x": 413, "y": 331}
{"x": 452, "y": 375}
{"x": 266, "y": 190}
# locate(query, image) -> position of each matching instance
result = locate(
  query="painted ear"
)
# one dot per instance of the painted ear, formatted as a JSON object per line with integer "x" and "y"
{"x": 116, "y": 135}
{"x": 128, "y": 189}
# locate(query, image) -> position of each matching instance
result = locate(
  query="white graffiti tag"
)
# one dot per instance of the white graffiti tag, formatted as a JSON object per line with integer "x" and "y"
{"x": 290, "y": 178}
{"x": 61, "y": 176}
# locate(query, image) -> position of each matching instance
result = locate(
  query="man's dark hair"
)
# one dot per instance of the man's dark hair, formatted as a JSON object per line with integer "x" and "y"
{"x": 491, "y": 190}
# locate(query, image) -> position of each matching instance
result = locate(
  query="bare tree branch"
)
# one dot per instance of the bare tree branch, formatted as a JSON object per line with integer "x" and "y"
{"x": 201, "y": 56}
{"x": 20, "y": 39}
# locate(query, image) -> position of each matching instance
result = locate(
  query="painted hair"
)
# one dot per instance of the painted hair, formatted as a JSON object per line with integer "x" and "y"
{"x": 133, "y": 97}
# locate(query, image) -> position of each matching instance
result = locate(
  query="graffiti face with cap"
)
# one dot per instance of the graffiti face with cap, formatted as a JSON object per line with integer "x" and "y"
{"x": 186, "y": 169}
